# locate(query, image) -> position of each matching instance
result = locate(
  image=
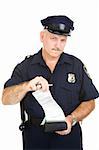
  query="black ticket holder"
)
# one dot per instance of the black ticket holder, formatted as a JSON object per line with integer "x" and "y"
{"x": 55, "y": 126}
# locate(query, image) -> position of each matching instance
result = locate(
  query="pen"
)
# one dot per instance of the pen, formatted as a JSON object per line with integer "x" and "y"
{"x": 50, "y": 84}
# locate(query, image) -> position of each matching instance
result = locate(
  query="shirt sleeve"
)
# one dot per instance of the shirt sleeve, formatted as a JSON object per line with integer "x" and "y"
{"x": 16, "y": 77}
{"x": 88, "y": 89}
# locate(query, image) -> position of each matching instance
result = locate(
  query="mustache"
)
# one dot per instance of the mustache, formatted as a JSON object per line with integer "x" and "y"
{"x": 56, "y": 49}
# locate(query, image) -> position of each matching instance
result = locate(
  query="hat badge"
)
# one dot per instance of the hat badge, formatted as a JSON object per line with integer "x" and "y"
{"x": 71, "y": 78}
{"x": 62, "y": 26}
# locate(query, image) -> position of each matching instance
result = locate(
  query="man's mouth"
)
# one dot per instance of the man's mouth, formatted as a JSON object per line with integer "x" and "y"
{"x": 56, "y": 49}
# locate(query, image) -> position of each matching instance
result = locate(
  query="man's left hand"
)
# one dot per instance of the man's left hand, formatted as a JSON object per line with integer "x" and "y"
{"x": 69, "y": 126}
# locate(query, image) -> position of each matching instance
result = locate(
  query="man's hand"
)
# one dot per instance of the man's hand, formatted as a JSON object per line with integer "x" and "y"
{"x": 38, "y": 83}
{"x": 69, "y": 121}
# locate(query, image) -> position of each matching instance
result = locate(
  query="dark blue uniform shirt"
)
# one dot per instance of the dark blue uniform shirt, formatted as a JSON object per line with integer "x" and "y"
{"x": 71, "y": 83}
{"x": 71, "y": 86}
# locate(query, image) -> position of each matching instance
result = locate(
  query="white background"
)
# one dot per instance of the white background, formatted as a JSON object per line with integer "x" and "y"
{"x": 19, "y": 36}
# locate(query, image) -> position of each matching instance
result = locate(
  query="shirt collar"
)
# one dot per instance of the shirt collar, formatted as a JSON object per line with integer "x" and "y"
{"x": 64, "y": 58}
{"x": 37, "y": 58}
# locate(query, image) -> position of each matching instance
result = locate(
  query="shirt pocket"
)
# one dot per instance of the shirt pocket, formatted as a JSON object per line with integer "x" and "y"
{"x": 73, "y": 89}
{"x": 68, "y": 96}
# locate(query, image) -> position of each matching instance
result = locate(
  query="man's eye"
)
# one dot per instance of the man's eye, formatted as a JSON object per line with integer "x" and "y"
{"x": 53, "y": 38}
{"x": 63, "y": 40}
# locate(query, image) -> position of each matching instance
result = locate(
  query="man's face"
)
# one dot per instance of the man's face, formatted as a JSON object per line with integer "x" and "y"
{"x": 53, "y": 44}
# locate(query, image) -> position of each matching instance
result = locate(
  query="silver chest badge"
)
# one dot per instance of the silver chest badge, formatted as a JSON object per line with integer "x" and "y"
{"x": 71, "y": 78}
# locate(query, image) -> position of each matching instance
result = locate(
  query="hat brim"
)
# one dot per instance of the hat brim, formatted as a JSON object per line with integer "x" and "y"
{"x": 58, "y": 32}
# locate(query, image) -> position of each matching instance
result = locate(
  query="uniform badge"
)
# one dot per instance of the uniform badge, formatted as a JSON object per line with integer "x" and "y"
{"x": 71, "y": 78}
{"x": 85, "y": 69}
{"x": 62, "y": 26}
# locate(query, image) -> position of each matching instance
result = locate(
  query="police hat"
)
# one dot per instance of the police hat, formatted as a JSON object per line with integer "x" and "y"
{"x": 61, "y": 25}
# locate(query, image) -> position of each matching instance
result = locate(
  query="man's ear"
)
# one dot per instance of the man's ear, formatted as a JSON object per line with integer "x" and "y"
{"x": 41, "y": 36}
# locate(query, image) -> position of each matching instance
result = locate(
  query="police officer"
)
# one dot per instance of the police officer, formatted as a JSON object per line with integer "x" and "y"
{"x": 72, "y": 88}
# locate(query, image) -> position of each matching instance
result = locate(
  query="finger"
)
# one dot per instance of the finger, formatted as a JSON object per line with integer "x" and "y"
{"x": 44, "y": 84}
{"x": 44, "y": 87}
{"x": 68, "y": 129}
{"x": 61, "y": 132}
{"x": 65, "y": 132}
{"x": 33, "y": 87}
{"x": 38, "y": 87}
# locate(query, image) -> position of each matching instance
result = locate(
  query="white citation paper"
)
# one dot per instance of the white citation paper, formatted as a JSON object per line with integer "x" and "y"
{"x": 53, "y": 112}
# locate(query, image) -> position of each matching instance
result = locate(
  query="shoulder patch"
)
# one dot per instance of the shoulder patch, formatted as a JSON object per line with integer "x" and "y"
{"x": 86, "y": 71}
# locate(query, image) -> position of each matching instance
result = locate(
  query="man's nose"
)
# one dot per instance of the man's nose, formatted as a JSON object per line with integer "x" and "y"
{"x": 58, "y": 44}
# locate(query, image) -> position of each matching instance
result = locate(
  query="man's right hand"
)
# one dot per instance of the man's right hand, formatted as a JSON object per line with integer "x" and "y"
{"x": 38, "y": 83}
